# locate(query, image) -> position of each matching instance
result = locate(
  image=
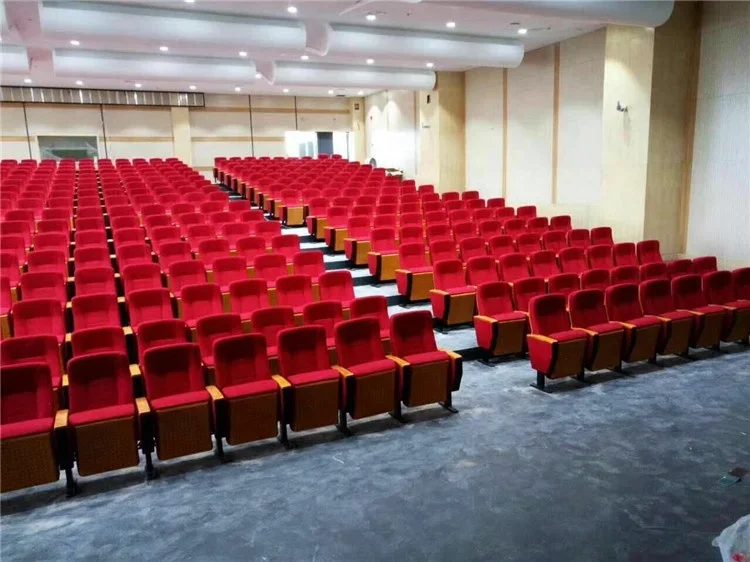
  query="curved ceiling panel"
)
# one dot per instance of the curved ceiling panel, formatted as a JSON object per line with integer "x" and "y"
{"x": 340, "y": 76}
{"x": 417, "y": 46}
{"x": 76, "y": 19}
{"x": 99, "y": 64}
{"x": 14, "y": 60}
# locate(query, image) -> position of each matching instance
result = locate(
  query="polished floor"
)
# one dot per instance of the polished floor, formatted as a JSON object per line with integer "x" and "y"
{"x": 626, "y": 468}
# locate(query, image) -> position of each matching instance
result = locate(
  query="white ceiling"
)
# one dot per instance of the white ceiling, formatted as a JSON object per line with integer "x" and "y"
{"x": 119, "y": 42}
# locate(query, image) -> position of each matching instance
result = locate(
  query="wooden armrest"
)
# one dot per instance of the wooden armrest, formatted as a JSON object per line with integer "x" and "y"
{"x": 343, "y": 371}
{"x": 215, "y": 393}
{"x": 281, "y": 381}
{"x": 143, "y": 406}
{"x": 135, "y": 370}
{"x": 397, "y": 360}
{"x": 452, "y": 354}
{"x": 61, "y": 419}
{"x": 69, "y": 305}
{"x": 404, "y": 271}
{"x": 439, "y": 292}
{"x": 589, "y": 332}
{"x": 540, "y": 337}
{"x": 65, "y": 382}
{"x": 484, "y": 319}
{"x": 68, "y": 337}
{"x": 627, "y": 325}
{"x": 373, "y": 253}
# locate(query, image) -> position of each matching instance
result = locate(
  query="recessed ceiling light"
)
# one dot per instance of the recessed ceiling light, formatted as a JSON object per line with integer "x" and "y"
{"x": 360, "y": 93}
{"x": 75, "y": 42}
{"x": 450, "y": 24}
{"x": 79, "y": 82}
{"x": 189, "y": 1}
{"x": 27, "y": 80}
{"x": 371, "y": 17}
{"x": 370, "y": 61}
{"x": 237, "y": 89}
{"x": 138, "y": 85}
{"x": 163, "y": 48}
{"x": 523, "y": 31}
{"x": 292, "y": 9}
{"x": 430, "y": 64}
{"x": 305, "y": 57}
{"x": 242, "y": 53}
{"x": 330, "y": 91}
{"x": 192, "y": 86}
{"x": 258, "y": 75}
{"x": 285, "y": 90}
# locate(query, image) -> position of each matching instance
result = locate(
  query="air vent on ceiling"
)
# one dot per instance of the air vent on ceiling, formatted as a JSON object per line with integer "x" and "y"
{"x": 79, "y": 96}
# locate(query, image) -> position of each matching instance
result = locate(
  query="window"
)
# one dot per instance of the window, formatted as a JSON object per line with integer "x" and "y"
{"x": 55, "y": 148}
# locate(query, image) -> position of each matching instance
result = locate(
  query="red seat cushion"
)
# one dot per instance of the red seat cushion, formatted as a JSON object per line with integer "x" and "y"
{"x": 250, "y": 389}
{"x": 423, "y": 269}
{"x": 372, "y": 367}
{"x": 461, "y": 290}
{"x": 429, "y": 357}
{"x": 644, "y": 322}
{"x": 568, "y": 335}
{"x": 509, "y": 316}
{"x": 208, "y": 360}
{"x": 676, "y": 315}
{"x": 313, "y": 377}
{"x": 272, "y": 351}
{"x": 102, "y": 414}
{"x": 739, "y": 304}
{"x": 711, "y": 309}
{"x": 24, "y": 428}
{"x": 606, "y": 327}
{"x": 184, "y": 399}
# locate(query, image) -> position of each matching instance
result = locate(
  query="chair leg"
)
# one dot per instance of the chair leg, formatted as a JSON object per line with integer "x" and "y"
{"x": 342, "y": 425}
{"x": 71, "y": 487}
{"x": 653, "y": 361}
{"x": 717, "y": 348}
{"x": 686, "y": 356}
{"x": 396, "y": 413}
{"x": 283, "y": 437}
{"x": 540, "y": 382}
{"x": 581, "y": 377}
{"x": 151, "y": 472}
{"x": 448, "y": 404}
{"x": 219, "y": 450}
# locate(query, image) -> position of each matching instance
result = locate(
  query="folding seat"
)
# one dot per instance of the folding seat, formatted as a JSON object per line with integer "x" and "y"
{"x": 641, "y": 332}
{"x": 294, "y": 291}
{"x": 410, "y": 219}
{"x": 116, "y": 211}
{"x": 325, "y": 314}
{"x": 246, "y": 296}
{"x": 563, "y": 283}
{"x": 709, "y": 319}
{"x": 438, "y": 232}
{"x": 141, "y": 276}
{"x": 463, "y": 230}
{"x": 578, "y": 238}
{"x": 543, "y": 264}
{"x": 125, "y": 236}
{"x": 560, "y": 222}
{"x": 356, "y": 245}
{"x": 414, "y": 276}
{"x": 186, "y": 272}
{"x": 9, "y": 267}
{"x": 468, "y": 195}
{"x": 152, "y": 210}
{"x": 234, "y": 231}
{"x": 599, "y": 256}
{"x": 209, "y": 329}
{"x": 410, "y": 207}
{"x": 679, "y": 267}
{"x": 228, "y": 270}
{"x": 384, "y": 221}
{"x": 383, "y": 209}
{"x": 338, "y": 286}
{"x": 435, "y": 217}
{"x": 200, "y": 233}
{"x": 286, "y": 245}
{"x": 15, "y": 246}
{"x": 513, "y": 267}
{"x": 382, "y": 259}
{"x": 159, "y": 332}
{"x": 24, "y": 215}
{"x": 48, "y": 261}
{"x": 452, "y": 299}
{"x": 481, "y": 269}
{"x": 528, "y": 243}
{"x": 92, "y": 257}
{"x": 199, "y": 301}
{"x": 504, "y": 214}
{"x": 375, "y": 306}
{"x": 267, "y": 230}
{"x": 442, "y": 250}
{"x": 451, "y": 196}
{"x": 316, "y": 209}
{"x": 38, "y": 317}
{"x": 427, "y": 374}
{"x": 604, "y": 338}
{"x": 183, "y": 208}
{"x": 677, "y": 325}
{"x": 705, "y": 264}
{"x": 91, "y": 223}
{"x": 572, "y": 260}
{"x": 495, "y": 202}
{"x": 187, "y": 220}
{"x": 27, "y": 443}
{"x": 472, "y": 247}
{"x": 6, "y": 302}
{"x": 157, "y": 221}
{"x": 251, "y": 246}
{"x": 361, "y": 211}
{"x": 458, "y": 216}
{"x": 474, "y": 204}
{"x": 624, "y": 254}
{"x": 16, "y": 228}
{"x": 624, "y": 274}
{"x": 411, "y": 235}
{"x": 526, "y": 289}
{"x": 270, "y": 267}
{"x": 211, "y": 250}
{"x": 555, "y": 350}
{"x": 537, "y": 225}
{"x": 178, "y": 413}
{"x": 89, "y": 201}
{"x": 648, "y": 251}
{"x": 172, "y": 252}
{"x": 162, "y": 234}
{"x": 431, "y": 206}
{"x": 95, "y": 280}
{"x": 515, "y": 227}
{"x": 554, "y": 240}
{"x": 526, "y": 212}
{"x": 309, "y": 263}
{"x": 489, "y": 228}
{"x": 100, "y": 339}
{"x": 54, "y": 225}
{"x": 252, "y": 216}
{"x": 501, "y": 245}
{"x": 653, "y": 270}
{"x": 499, "y": 328}
{"x": 221, "y": 218}
{"x": 44, "y": 285}
{"x": 269, "y": 322}
{"x": 50, "y": 241}
{"x": 34, "y": 349}
{"x": 719, "y": 289}
{"x": 333, "y": 228}
{"x": 602, "y": 235}
{"x": 741, "y": 283}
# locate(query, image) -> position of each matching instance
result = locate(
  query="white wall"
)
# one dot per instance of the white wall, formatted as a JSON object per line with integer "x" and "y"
{"x": 390, "y": 130}
{"x": 719, "y": 218}
{"x": 484, "y": 131}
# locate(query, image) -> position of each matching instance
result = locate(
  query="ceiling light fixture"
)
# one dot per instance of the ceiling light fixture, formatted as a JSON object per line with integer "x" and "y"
{"x": 189, "y": 1}
{"x": 285, "y": 90}
{"x": 242, "y": 53}
{"x": 523, "y": 31}
{"x": 370, "y": 61}
{"x": 192, "y": 86}
{"x": 75, "y": 42}
{"x": 138, "y": 85}
{"x": 450, "y": 24}
{"x": 360, "y": 93}
{"x": 258, "y": 75}
{"x": 330, "y": 91}
{"x": 237, "y": 89}
{"x": 292, "y": 9}
{"x": 163, "y": 48}
{"x": 430, "y": 64}
{"x": 305, "y": 57}
{"x": 27, "y": 80}
{"x": 371, "y": 17}
{"x": 79, "y": 82}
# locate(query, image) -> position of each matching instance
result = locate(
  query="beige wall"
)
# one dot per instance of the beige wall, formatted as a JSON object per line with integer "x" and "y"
{"x": 390, "y": 135}
{"x": 484, "y": 131}
{"x": 719, "y": 216}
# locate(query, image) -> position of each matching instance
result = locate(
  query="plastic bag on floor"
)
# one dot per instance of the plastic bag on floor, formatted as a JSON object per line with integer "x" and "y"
{"x": 734, "y": 541}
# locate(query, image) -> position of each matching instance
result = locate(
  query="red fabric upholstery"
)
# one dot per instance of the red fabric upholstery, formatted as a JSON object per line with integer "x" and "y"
{"x": 44, "y": 285}
{"x": 95, "y": 310}
{"x": 287, "y": 245}
{"x": 148, "y": 305}
{"x": 199, "y": 301}
{"x": 303, "y": 351}
{"x": 741, "y": 281}
{"x": 648, "y": 252}
{"x": 309, "y": 263}
{"x": 375, "y": 306}
{"x": 228, "y": 270}
{"x": 249, "y": 247}
{"x": 187, "y": 272}
{"x": 527, "y": 243}
{"x": 595, "y": 279}
{"x": 160, "y": 332}
{"x": 411, "y": 333}
{"x": 270, "y": 321}
{"x": 98, "y": 340}
{"x": 600, "y": 257}
{"x": 624, "y": 254}
{"x": 26, "y": 399}
{"x": 563, "y": 283}
{"x": 295, "y": 291}
{"x": 337, "y": 286}
{"x": 572, "y": 260}
{"x": 38, "y": 317}
{"x": 95, "y": 280}
{"x": 705, "y": 264}
{"x": 270, "y": 267}
{"x": 543, "y": 264}
{"x": 100, "y": 388}
{"x": 247, "y": 296}
{"x": 358, "y": 343}
{"x": 481, "y": 270}
{"x": 513, "y": 267}
{"x": 602, "y": 235}
{"x": 548, "y": 315}
{"x": 173, "y": 375}
{"x": 653, "y": 270}
{"x": 656, "y": 297}
{"x": 141, "y": 276}
{"x": 561, "y": 222}
{"x": 33, "y": 349}
{"x": 579, "y": 238}
{"x": 554, "y": 240}
{"x": 211, "y": 328}
{"x": 624, "y": 274}
{"x": 526, "y": 289}
{"x": 472, "y": 247}
{"x": 501, "y": 245}
{"x": 242, "y": 365}
{"x": 324, "y": 313}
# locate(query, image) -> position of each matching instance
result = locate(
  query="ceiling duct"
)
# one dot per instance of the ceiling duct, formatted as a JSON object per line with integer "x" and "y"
{"x": 412, "y": 46}
{"x": 79, "y": 96}
{"x": 343, "y": 76}
{"x": 14, "y": 60}
{"x": 128, "y": 66}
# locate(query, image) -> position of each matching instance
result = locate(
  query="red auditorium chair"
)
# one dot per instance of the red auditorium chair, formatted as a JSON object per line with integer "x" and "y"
{"x": 602, "y": 235}
{"x": 555, "y": 349}
{"x": 269, "y": 322}
{"x": 480, "y": 270}
{"x": 442, "y": 250}
{"x": 326, "y": 314}
{"x": 171, "y": 252}
{"x": 719, "y": 290}
{"x": 234, "y": 231}
{"x": 246, "y": 399}
{"x": 95, "y": 310}
{"x": 92, "y": 257}
{"x": 125, "y": 236}
{"x": 34, "y": 349}
{"x": 528, "y": 243}
{"x": 705, "y": 264}
{"x": 624, "y": 254}
{"x": 410, "y": 219}
{"x": 287, "y": 245}
{"x": 472, "y": 247}
{"x": 543, "y": 264}
{"x": 141, "y": 276}
{"x": 132, "y": 255}
{"x": 563, "y": 283}
{"x": 451, "y": 196}
{"x": 51, "y": 241}
{"x": 334, "y": 232}
{"x": 311, "y": 389}
{"x": 187, "y": 272}
{"x": 653, "y": 270}
{"x": 338, "y": 286}
{"x": 463, "y": 230}
{"x": 39, "y": 317}
{"x": 211, "y": 250}
{"x": 310, "y": 263}
{"x": 208, "y": 329}
{"x": 27, "y": 442}
{"x": 93, "y": 238}
{"x": 438, "y": 232}
{"x": 47, "y": 261}
{"x": 488, "y": 229}
{"x": 526, "y": 289}
{"x": 452, "y": 299}
{"x": 572, "y": 260}
{"x": 515, "y": 227}
{"x": 496, "y": 202}
{"x": 199, "y": 233}
{"x": 513, "y": 267}
{"x": 294, "y": 291}
{"x": 554, "y": 240}
{"x": 199, "y": 301}
{"x": 677, "y": 325}
{"x": 483, "y": 214}
{"x": 537, "y": 225}
{"x": 119, "y": 223}
{"x": 375, "y": 306}
{"x": 163, "y": 234}
{"x": 249, "y": 247}
{"x": 648, "y": 251}
{"x": 55, "y": 225}
{"x": 600, "y": 257}
{"x": 500, "y": 329}
{"x": 91, "y": 223}
{"x": 709, "y": 319}
{"x": 147, "y": 305}
{"x": 579, "y": 238}
{"x": 44, "y": 285}
{"x": 641, "y": 332}
{"x": 369, "y": 379}
{"x": 679, "y": 267}
{"x": 16, "y": 228}
{"x": 102, "y": 339}
{"x": 227, "y": 270}
{"x": 246, "y": 296}
{"x": 270, "y": 267}
{"x": 604, "y": 338}
{"x": 427, "y": 374}
{"x": 356, "y": 244}
{"x": 14, "y": 246}
{"x": 155, "y": 333}
{"x": 6, "y": 302}
{"x": 411, "y": 235}
{"x": 501, "y": 245}
{"x": 382, "y": 259}
{"x": 624, "y": 274}
{"x": 741, "y": 282}
{"x": 595, "y": 279}
{"x": 561, "y": 222}
{"x": 317, "y": 217}
{"x": 527, "y": 212}
{"x": 176, "y": 414}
